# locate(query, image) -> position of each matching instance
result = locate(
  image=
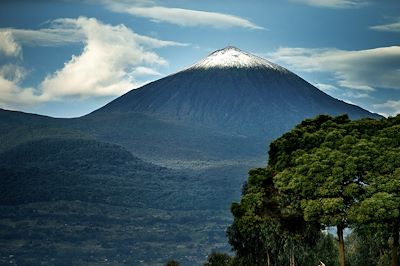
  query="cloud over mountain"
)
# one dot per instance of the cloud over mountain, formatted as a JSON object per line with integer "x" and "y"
{"x": 113, "y": 60}
{"x": 361, "y": 69}
{"x": 106, "y": 65}
{"x": 389, "y": 108}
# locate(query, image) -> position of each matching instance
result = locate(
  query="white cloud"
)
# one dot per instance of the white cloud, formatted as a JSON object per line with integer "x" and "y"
{"x": 13, "y": 72}
{"x": 8, "y": 46}
{"x": 391, "y": 27}
{"x": 155, "y": 43}
{"x": 46, "y": 37}
{"x": 61, "y": 33}
{"x": 362, "y": 69}
{"x": 182, "y": 17}
{"x": 333, "y": 3}
{"x": 145, "y": 71}
{"x": 114, "y": 60}
{"x": 328, "y": 88}
{"x": 356, "y": 94}
{"x": 11, "y": 94}
{"x": 388, "y": 108}
{"x": 106, "y": 65}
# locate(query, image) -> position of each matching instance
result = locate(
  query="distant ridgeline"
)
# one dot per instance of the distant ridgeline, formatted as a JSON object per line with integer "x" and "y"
{"x": 151, "y": 175}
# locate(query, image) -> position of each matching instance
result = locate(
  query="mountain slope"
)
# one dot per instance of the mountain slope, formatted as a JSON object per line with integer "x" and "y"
{"x": 80, "y": 201}
{"x": 233, "y": 91}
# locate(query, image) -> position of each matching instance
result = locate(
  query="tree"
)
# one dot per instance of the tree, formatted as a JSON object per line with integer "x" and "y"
{"x": 367, "y": 245}
{"x": 327, "y": 171}
{"x": 316, "y": 165}
{"x": 172, "y": 263}
{"x": 263, "y": 231}
{"x": 247, "y": 232}
{"x": 380, "y": 204}
{"x": 218, "y": 259}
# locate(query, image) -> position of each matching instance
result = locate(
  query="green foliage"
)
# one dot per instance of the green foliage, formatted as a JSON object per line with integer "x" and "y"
{"x": 262, "y": 231}
{"x": 368, "y": 245}
{"x": 172, "y": 263}
{"x": 218, "y": 259}
{"x": 327, "y": 171}
{"x": 325, "y": 250}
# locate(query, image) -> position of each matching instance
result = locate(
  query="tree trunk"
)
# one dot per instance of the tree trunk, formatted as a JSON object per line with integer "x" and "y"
{"x": 342, "y": 258}
{"x": 268, "y": 259}
{"x": 395, "y": 246}
{"x": 292, "y": 260}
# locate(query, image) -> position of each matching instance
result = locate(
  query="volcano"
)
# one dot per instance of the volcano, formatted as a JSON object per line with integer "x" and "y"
{"x": 234, "y": 92}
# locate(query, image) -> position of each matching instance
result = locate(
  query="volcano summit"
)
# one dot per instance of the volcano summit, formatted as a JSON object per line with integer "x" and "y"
{"x": 232, "y": 57}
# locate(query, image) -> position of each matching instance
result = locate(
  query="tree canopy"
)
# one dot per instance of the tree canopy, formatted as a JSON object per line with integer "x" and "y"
{"x": 326, "y": 172}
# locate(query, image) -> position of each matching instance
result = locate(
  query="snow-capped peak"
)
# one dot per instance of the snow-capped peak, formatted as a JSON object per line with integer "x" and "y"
{"x": 232, "y": 57}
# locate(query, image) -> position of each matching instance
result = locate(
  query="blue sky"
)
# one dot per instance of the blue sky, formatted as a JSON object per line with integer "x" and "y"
{"x": 68, "y": 58}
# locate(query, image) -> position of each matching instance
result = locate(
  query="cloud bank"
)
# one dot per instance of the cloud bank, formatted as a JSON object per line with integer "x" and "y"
{"x": 106, "y": 65}
{"x": 361, "y": 70}
{"x": 389, "y": 108}
{"x": 62, "y": 32}
{"x": 113, "y": 59}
